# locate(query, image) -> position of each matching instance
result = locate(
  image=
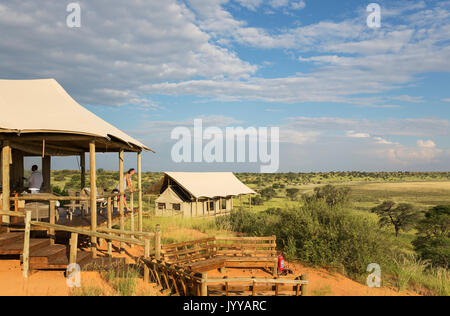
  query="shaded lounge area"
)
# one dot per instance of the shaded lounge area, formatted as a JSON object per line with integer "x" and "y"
{"x": 40, "y": 119}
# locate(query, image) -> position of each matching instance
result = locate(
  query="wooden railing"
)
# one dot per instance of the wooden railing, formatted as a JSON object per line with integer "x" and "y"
{"x": 142, "y": 238}
{"x": 182, "y": 281}
{"x": 86, "y": 199}
{"x": 238, "y": 251}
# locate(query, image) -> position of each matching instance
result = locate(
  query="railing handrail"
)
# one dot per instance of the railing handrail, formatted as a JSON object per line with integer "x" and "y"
{"x": 88, "y": 233}
{"x": 37, "y": 197}
{"x": 125, "y": 232}
{"x": 275, "y": 281}
{"x": 14, "y": 214}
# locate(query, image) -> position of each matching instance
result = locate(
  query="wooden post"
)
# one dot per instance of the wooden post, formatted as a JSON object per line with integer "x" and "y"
{"x": 250, "y": 202}
{"x": 109, "y": 211}
{"x": 204, "y": 290}
{"x": 52, "y": 221}
{"x": 139, "y": 170}
{"x": 146, "y": 256}
{"x": 226, "y": 287}
{"x": 121, "y": 202}
{"x": 132, "y": 212}
{"x": 73, "y": 248}
{"x": 6, "y": 150}
{"x": 93, "y": 193}
{"x": 275, "y": 268}
{"x": 253, "y": 287}
{"x": 304, "y": 287}
{"x": 46, "y": 174}
{"x": 26, "y": 245}
{"x": 149, "y": 206}
{"x": 83, "y": 170}
{"x": 158, "y": 242}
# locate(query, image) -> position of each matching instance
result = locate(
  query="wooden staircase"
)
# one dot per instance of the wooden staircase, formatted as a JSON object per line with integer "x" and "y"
{"x": 43, "y": 255}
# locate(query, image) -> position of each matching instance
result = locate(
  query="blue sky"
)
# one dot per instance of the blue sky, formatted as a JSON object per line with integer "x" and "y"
{"x": 345, "y": 96}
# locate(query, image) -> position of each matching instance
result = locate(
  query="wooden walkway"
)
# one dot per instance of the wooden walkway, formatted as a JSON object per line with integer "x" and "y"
{"x": 43, "y": 255}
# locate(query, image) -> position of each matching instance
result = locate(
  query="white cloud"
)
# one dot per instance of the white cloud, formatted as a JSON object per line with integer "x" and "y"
{"x": 414, "y": 127}
{"x": 426, "y": 144}
{"x": 250, "y": 4}
{"x": 298, "y": 5}
{"x": 118, "y": 47}
{"x": 408, "y": 98}
{"x": 425, "y": 152}
{"x": 354, "y": 134}
{"x": 349, "y": 59}
{"x": 175, "y": 49}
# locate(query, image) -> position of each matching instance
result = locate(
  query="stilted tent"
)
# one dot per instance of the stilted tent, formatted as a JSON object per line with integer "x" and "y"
{"x": 193, "y": 194}
{"x": 39, "y": 118}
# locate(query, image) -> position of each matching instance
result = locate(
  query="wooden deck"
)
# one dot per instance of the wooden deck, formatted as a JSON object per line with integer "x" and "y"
{"x": 43, "y": 255}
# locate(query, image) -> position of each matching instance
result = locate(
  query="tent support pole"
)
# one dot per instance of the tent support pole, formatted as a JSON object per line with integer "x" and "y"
{"x": 93, "y": 193}
{"x": 121, "y": 197}
{"x": 139, "y": 167}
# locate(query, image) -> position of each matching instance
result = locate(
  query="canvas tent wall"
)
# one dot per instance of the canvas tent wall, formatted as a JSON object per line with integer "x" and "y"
{"x": 199, "y": 193}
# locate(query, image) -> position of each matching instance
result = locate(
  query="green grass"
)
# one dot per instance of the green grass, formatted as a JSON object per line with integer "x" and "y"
{"x": 416, "y": 274}
{"x": 122, "y": 280}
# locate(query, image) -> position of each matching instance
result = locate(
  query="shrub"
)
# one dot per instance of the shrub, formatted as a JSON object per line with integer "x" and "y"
{"x": 332, "y": 195}
{"x": 292, "y": 193}
{"x": 320, "y": 234}
{"x": 257, "y": 200}
{"x": 433, "y": 237}
{"x": 268, "y": 193}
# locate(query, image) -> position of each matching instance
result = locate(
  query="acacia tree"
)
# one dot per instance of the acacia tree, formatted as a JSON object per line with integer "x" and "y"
{"x": 401, "y": 216}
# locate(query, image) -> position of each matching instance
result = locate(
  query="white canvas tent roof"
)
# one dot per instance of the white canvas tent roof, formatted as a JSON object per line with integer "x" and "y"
{"x": 169, "y": 196}
{"x": 43, "y": 106}
{"x": 210, "y": 184}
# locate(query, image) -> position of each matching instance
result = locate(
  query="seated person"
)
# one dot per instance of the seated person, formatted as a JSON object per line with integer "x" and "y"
{"x": 35, "y": 181}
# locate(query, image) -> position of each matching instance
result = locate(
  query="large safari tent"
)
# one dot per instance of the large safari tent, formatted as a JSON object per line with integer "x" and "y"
{"x": 40, "y": 119}
{"x": 193, "y": 194}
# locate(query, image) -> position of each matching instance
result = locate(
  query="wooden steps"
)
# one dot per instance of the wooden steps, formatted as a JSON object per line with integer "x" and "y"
{"x": 61, "y": 262}
{"x": 7, "y": 238}
{"x": 43, "y": 255}
{"x": 16, "y": 247}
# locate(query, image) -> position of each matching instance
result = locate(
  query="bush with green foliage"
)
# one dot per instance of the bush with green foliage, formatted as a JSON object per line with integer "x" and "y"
{"x": 268, "y": 193}
{"x": 292, "y": 193}
{"x": 433, "y": 237}
{"x": 331, "y": 194}
{"x": 257, "y": 200}
{"x": 317, "y": 233}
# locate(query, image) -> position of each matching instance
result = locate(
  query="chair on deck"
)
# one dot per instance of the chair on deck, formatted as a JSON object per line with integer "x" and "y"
{"x": 74, "y": 204}
{"x": 40, "y": 211}
{"x": 86, "y": 192}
